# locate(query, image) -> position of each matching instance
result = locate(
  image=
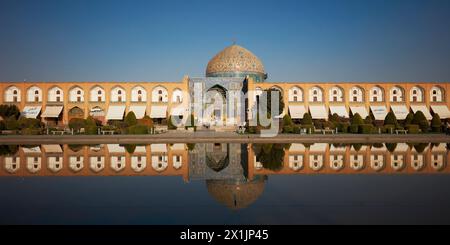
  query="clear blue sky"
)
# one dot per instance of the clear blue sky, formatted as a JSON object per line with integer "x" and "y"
{"x": 336, "y": 40}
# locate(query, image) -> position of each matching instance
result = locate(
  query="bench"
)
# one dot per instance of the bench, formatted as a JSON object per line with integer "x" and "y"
{"x": 107, "y": 132}
{"x": 404, "y": 131}
{"x": 324, "y": 131}
{"x": 61, "y": 132}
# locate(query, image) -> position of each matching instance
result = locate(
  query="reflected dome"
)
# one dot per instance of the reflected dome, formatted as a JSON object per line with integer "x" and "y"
{"x": 236, "y": 194}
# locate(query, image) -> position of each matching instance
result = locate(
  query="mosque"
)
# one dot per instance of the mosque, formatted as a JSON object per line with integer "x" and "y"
{"x": 232, "y": 72}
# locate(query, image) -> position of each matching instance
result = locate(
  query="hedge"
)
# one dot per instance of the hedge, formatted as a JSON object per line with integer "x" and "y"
{"x": 354, "y": 129}
{"x": 288, "y": 129}
{"x": 343, "y": 127}
{"x": 424, "y": 126}
{"x": 412, "y": 128}
{"x": 366, "y": 128}
{"x": 138, "y": 129}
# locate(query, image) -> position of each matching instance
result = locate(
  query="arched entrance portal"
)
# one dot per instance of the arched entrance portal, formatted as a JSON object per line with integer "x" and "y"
{"x": 216, "y": 106}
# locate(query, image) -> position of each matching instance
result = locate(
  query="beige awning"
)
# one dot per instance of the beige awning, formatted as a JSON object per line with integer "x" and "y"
{"x": 400, "y": 111}
{"x": 52, "y": 148}
{"x": 318, "y": 112}
{"x": 423, "y": 109}
{"x": 442, "y": 147}
{"x": 361, "y": 110}
{"x": 340, "y": 110}
{"x": 31, "y": 111}
{"x": 297, "y": 111}
{"x": 115, "y": 112}
{"x": 35, "y": 149}
{"x": 139, "y": 110}
{"x": 379, "y": 111}
{"x": 318, "y": 147}
{"x": 401, "y": 147}
{"x": 140, "y": 149}
{"x": 178, "y": 147}
{"x": 441, "y": 110}
{"x": 52, "y": 111}
{"x": 297, "y": 147}
{"x": 115, "y": 148}
{"x": 158, "y": 111}
{"x": 158, "y": 148}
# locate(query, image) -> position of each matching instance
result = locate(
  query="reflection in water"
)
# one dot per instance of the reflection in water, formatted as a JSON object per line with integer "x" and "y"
{"x": 235, "y": 174}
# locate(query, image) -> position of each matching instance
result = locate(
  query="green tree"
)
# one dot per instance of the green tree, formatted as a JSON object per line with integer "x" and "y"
{"x": 409, "y": 118}
{"x": 391, "y": 119}
{"x": 265, "y": 101}
{"x": 130, "y": 119}
{"x": 9, "y": 110}
{"x": 307, "y": 119}
{"x": 77, "y": 123}
{"x": 130, "y": 148}
{"x": 368, "y": 120}
{"x": 91, "y": 125}
{"x": 334, "y": 118}
{"x": 11, "y": 123}
{"x": 271, "y": 156}
{"x": 418, "y": 117}
{"x": 356, "y": 120}
{"x": 436, "y": 124}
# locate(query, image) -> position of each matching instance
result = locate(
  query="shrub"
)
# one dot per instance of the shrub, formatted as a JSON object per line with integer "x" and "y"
{"x": 90, "y": 121}
{"x": 409, "y": 118}
{"x": 343, "y": 127}
{"x": 391, "y": 119}
{"x": 307, "y": 119}
{"x": 191, "y": 146}
{"x": 288, "y": 129}
{"x": 424, "y": 126}
{"x": 251, "y": 129}
{"x": 138, "y": 129}
{"x": 354, "y": 129}
{"x": 29, "y": 123}
{"x": 436, "y": 124}
{"x": 296, "y": 129}
{"x": 130, "y": 119}
{"x": 77, "y": 123}
{"x": 418, "y": 118}
{"x": 147, "y": 121}
{"x": 412, "y": 128}
{"x": 91, "y": 129}
{"x": 30, "y": 131}
{"x": 2, "y": 125}
{"x": 191, "y": 122}
{"x": 170, "y": 124}
{"x": 11, "y": 123}
{"x": 366, "y": 128}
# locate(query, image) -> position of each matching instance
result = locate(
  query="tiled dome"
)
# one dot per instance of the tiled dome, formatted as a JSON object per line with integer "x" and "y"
{"x": 234, "y": 60}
